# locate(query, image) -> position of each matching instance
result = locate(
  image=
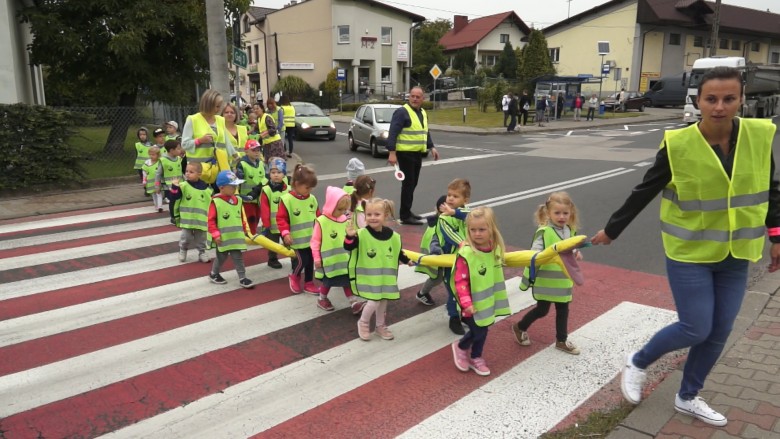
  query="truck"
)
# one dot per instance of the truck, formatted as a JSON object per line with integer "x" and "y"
{"x": 761, "y": 86}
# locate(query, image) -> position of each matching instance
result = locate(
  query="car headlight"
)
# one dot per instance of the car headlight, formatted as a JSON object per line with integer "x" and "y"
{"x": 332, "y": 125}
{"x": 305, "y": 126}
{"x": 688, "y": 114}
{"x": 385, "y": 134}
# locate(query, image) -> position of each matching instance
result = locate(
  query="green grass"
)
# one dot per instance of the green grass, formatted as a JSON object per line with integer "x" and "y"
{"x": 597, "y": 424}
{"x": 98, "y": 164}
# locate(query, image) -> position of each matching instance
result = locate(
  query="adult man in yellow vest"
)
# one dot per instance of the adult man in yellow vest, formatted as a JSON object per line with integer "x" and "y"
{"x": 407, "y": 143}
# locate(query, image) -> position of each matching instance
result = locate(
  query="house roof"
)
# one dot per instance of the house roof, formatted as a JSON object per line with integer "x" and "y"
{"x": 477, "y": 29}
{"x": 258, "y": 13}
{"x": 414, "y": 17}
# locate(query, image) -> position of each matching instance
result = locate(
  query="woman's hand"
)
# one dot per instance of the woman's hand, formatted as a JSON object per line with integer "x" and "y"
{"x": 206, "y": 138}
{"x": 601, "y": 238}
{"x": 774, "y": 254}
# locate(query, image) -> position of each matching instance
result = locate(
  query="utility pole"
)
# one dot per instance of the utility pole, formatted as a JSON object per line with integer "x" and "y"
{"x": 218, "y": 60}
{"x": 714, "y": 42}
{"x": 568, "y": 14}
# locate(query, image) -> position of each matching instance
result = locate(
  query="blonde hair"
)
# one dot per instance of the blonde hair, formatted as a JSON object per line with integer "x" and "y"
{"x": 460, "y": 185}
{"x": 486, "y": 214}
{"x": 208, "y": 101}
{"x": 305, "y": 175}
{"x": 388, "y": 208}
{"x": 235, "y": 110}
{"x": 542, "y": 216}
{"x": 154, "y": 149}
{"x": 196, "y": 165}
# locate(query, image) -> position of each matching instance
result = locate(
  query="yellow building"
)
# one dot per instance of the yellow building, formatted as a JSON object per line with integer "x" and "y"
{"x": 649, "y": 39}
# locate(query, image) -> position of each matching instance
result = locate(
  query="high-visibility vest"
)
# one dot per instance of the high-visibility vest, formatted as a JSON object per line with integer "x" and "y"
{"x": 205, "y": 151}
{"x": 191, "y": 211}
{"x": 264, "y": 128}
{"x": 486, "y": 281}
{"x": 229, "y": 223}
{"x": 415, "y": 137}
{"x": 253, "y": 176}
{"x": 425, "y": 248}
{"x": 289, "y": 116}
{"x": 456, "y": 225}
{"x": 349, "y": 189}
{"x": 274, "y": 197}
{"x": 141, "y": 154}
{"x": 373, "y": 267}
{"x": 151, "y": 172}
{"x": 243, "y": 136}
{"x": 302, "y": 214}
{"x": 171, "y": 137}
{"x": 171, "y": 169}
{"x": 705, "y": 215}
{"x": 335, "y": 259}
{"x": 551, "y": 282}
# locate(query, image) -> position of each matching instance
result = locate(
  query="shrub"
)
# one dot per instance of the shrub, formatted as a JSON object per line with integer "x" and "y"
{"x": 295, "y": 88}
{"x": 34, "y": 142}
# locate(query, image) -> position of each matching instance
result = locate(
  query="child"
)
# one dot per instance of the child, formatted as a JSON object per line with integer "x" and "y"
{"x": 190, "y": 201}
{"x": 170, "y": 168}
{"x": 478, "y": 281}
{"x": 148, "y": 177}
{"x": 269, "y": 204}
{"x": 452, "y": 231}
{"x": 171, "y": 130}
{"x": 296, "y": 215}
{"x": 327, "y": 244}
{"x": 373, "y": 265}
{"x": 355, "y": 168}
{"x": 430, "y": 244}
{"x": 557, "y": 220}
{"x": 252, "y": 171}
{"x": 141, "y": 151}
{"x": 364, "y": 191}
{"x": 159, "y": 138}
{"x": 226, "y": 226}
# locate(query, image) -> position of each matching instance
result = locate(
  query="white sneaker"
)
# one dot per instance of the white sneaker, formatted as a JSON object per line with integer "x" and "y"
{"x": 203, "y": 257}
{"x": 632, "y": 380}
{"x": 182, "y": 255}
{"x": 699, "y": 409}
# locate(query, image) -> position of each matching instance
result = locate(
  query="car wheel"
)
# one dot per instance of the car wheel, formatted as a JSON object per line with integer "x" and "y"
{"x": 351, "y": 141}
{"x": 374, "y": 149}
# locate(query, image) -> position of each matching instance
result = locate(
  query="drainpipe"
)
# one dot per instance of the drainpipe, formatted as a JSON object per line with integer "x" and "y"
{"x": 265, "y": 55}
{"x": 278, "y": 64}
{"x": 642, "y": 55}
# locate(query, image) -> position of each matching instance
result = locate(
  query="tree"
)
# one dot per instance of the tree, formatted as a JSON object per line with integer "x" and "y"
{"x": 426, "y": 50}
{"x": 535, "y": 59}
{"x": 123, "y": 50}
{"x": 330, "y": 88}
{"x": 464, "y": 61}
{"x": 507, "y": 62}
{"x": 294, "y": 87}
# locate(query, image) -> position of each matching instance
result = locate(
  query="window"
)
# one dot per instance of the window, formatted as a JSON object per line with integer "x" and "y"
{"x": 698, "y": 41}
{"x": 387, "y": 36}
{"x": 246, "y": 24}
{"x": 674, "y": 39}
{"x": 249, "y": 55}
{"x": 775, "y": 58}
{"x": 555, "y": 54}
{"x": 504, "y": 38}
{"x": 755, "y": 47}
{"x": 387, "y": 74}
{"x": 489, "y": 60}
{"x": 257, "y": 53}
{"x": 344, "y": 34}
{"x": 724, "y": 43}
{"x": 736, "y": 45}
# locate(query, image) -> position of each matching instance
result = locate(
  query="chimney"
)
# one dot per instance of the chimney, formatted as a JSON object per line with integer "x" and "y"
{"x": 460, "y": 22}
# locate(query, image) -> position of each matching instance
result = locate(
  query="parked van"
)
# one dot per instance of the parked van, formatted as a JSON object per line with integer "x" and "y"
{"x": 669, "y": 90}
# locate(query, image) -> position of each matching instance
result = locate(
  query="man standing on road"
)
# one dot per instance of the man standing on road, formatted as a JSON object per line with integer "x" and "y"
{"x": 407, "y": 142}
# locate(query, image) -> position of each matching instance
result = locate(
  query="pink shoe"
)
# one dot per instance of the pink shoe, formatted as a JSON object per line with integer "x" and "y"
{"x": 357, "y": 307}
{"x": 479, "y": 366}
{"x": 324, "y": 304}
{"x": 461, "y": 357}
{"x": 384, "y": 333}
{"x": 295, "y": 284}
{"x": 311, "y": 288}
{"x": 364, "y": 330}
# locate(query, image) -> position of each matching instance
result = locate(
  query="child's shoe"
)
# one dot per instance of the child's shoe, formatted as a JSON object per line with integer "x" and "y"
{"x": 159, "y": 210}
{"x": 384, "y": 333}
{"x": 567, "y": 346}
{"x": 364, "y": 331}
{"x": 425, "y": 298}
{"x": 311, "y": 288}
{"x": 324, "y": 304}
{"x": 246, "y": 283}
{"x": 295, "y": 284}
{"x": 521, "y": 336}
{"x": 217, "y": 279}
{"x": 274, "y": 263}
{"x": 203, "y": 257}
{"x": 479, "y": 366}
{"x": 182, "y": 255}
{"x": 455, "y": 326}
{"x": 357, "y": 307}
{"x": 460, "y": 356}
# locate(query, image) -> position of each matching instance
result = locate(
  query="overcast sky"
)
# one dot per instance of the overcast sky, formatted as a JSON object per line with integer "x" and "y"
{"x": 540, "y": 14}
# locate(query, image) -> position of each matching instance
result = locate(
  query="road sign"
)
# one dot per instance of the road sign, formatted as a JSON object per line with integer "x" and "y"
{"x": 604, "y": 69}
{"x": 435, "y": 71}
{"x": 341, "y": 74}
{"x": 239, "y": 57}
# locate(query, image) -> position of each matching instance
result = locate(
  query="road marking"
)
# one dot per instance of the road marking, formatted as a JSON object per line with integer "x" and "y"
{"x": 68, "y": 220}
{"x": 425, "y": 164}
{"x": 80, "y": 234}
{"x": 643, "y": 164}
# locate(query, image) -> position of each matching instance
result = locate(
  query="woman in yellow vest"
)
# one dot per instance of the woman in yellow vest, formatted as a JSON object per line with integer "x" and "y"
{"x": 289, "y": 123}
{"x": 269, "y": 133}
{"x": 236, "y": 133}
{"x": 204, "y": 137}
{"x": 719, "y": 198}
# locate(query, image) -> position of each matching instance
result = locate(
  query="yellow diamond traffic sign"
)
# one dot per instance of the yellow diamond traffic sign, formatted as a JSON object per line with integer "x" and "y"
{"x": 435, "y": 71}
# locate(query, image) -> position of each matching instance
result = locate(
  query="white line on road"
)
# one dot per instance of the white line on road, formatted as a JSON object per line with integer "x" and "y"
{"x": 52, "y": 222}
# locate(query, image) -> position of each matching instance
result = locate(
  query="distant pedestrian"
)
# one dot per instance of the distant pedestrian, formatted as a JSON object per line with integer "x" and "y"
{"x": 141, "y": 150}
{"x": 541, "y": 107}
{"x": 525, "y": 106}
{"x": 505, "y": 106}
{"x": 576, "y": 105}
{"x": 559, "y": 105}
{"x": 593, "y": 102}
{"x": 289, "y": 124}
{"x": 512, "y": 113}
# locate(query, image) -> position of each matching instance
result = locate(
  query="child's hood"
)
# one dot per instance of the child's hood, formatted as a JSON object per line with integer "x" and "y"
{"x": 332, "y": 196}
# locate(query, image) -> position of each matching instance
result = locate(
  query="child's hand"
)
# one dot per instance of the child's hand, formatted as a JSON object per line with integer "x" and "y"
{"x": 445, "y": 209}
{"x": 411, "y": 263}
{"x": 218, "y": 241}
{"x": 469, "y": 310}
{"x": 351, "y": 230}
{"x": 287, "y": 240}
{"x": 577, "y": 255}
{"x": 318, "y": 264}
{"x": 175, "y": 182}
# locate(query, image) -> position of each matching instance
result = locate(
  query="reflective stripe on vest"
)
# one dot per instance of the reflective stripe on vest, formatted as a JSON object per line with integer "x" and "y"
{"x": 415, "y": 137}
{"x": 301, "y": 214}
{"x": 274, "y": 197}
{"x": 192, "y": 209}
{"x": 253, "y": 176}
{"x": 205, "y": 151}
{"x": 373, "y": 267}
{"x": 151, "y": 172}
{"x": 335, "y": 259}
{"x": 141, "y": 154}
{"x": 486, "y": 281}
{"x": 705, "y": 215}
{"x": 264, "y": 127}
{"x": 551, "y": 283}
{"x": 289, "y": 116}
{"x": 229, "y": 224}
{"x": 171, "y": 170}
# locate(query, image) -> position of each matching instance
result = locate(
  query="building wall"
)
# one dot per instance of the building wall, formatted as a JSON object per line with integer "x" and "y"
{"x": 492, "y": 45}
{"x": 254, "y": 44}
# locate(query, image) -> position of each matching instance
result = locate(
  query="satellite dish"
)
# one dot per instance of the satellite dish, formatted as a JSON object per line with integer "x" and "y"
{"x": 603, "y": 47}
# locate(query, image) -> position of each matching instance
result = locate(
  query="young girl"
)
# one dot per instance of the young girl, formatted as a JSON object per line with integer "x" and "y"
{"x": 148, "y": 173}
{"x": 478, "y": 283}
{"x": 557, "y": 220}
{"x": 141, "y": 151}
{"x": 373, "y": 265}
{"x": 430, "y": 244}
{"x": 364, "y": 191}
{"x": 295, "y": 218}
{"x": 327, "y": 244}
{"x": 251, "y": 169}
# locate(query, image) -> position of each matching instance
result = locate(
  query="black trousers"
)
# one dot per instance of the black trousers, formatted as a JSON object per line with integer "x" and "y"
{"x": 289, "y": 136}
{"x": 410, "y": 164}
{"x": 506, "y": 116}
{"x": 540, "y": 310}
{"x": 524, "y": 116}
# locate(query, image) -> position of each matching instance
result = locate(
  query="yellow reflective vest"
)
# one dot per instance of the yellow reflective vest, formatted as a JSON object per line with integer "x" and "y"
{"x": 413, "y": 138}
{"x": 289, "y": 116}
{"x": 264, "y": 127}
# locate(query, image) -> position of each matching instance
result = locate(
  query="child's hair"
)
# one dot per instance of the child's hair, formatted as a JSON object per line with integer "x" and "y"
{"x": 363, "y": 186}
{"x": 343, "y": 203}
{"x": 387, "y": 206}
{"x": 486, "y": 213}
{"x": 154, "y": 149}
{"x": 138, "y": 133}
{"x": 542, "y": 216}
{"x": 208, "y": 101}
{"x": 305, "y": 175}
{"x": 460, "y": 185}
{"x": 171, "y": 145}
{"x": 196, "y": 165}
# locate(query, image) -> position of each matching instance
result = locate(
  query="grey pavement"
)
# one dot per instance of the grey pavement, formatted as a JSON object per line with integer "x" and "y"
{"x": 744, "y": 385}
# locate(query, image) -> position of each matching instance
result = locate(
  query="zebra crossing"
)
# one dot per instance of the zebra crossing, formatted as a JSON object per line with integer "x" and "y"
{"x": 104, "y": 332}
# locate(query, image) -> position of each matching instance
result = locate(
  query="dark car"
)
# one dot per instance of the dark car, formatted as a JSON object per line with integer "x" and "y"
{"x": 312, "y": 123}
{"x": 633, "y": 101}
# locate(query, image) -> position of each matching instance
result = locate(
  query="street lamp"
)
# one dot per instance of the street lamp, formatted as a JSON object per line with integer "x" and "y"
{"x": 603, "y": 49}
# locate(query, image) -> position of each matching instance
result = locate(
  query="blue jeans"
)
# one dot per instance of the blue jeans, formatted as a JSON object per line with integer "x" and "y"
{"x": 708, "y": 298}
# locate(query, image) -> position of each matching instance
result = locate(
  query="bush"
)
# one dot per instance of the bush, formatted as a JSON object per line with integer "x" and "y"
{"x": 295, "y": 88}
{"x": 34, "y": 141}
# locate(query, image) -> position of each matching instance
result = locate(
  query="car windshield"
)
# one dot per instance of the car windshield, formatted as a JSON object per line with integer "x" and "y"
{"x": 308, "y": 110}
{"x": 384, "y": 115}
